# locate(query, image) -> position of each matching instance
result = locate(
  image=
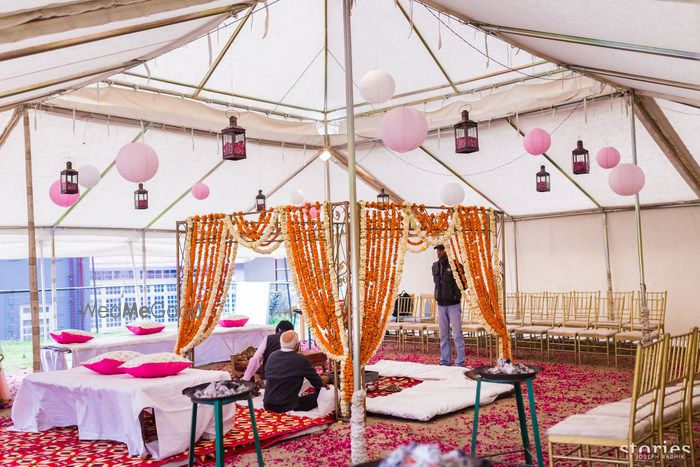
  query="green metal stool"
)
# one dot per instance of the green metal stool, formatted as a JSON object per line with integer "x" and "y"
{"x": 515, "y": 380}
{"x": 218, "y": 405}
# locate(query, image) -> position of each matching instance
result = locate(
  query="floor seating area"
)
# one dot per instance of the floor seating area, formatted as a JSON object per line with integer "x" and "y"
{"x": 581, "y": 323}
{"x": 660, "y": 412}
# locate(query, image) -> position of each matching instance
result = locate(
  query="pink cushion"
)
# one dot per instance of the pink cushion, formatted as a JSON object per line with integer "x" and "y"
{"x": 66, "y": 337}
{"x": 233, "y": 322}
{"x": 156, "y": 370}
{"x": 139, "y": 331}
{"x": 108, "y": 363}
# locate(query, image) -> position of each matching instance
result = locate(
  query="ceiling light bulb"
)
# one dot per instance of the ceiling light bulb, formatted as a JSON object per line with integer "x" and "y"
{"x": 325, "y": 155}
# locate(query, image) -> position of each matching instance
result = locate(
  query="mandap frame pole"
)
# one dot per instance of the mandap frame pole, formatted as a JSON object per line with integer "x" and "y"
{"x": 357, "y": 442}
{"x": 31, "y": 243}
{"x": 644, "y": 311}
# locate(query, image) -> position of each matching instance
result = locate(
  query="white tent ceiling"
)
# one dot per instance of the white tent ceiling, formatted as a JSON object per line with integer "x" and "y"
{"x": 270, "y": 63}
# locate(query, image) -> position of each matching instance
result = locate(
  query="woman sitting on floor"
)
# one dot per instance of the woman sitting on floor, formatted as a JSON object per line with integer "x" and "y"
{"x": 266, "y": 347}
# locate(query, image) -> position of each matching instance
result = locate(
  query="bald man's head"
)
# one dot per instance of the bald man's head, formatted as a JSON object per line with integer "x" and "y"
{"x": 289, "y": 340}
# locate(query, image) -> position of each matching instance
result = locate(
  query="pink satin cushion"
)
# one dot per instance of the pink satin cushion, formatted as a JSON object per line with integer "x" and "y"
{"x": 107, "y": 366}
{"x": 233, "y": 323}
{"x": 66, "y": 337}
{"x": 140, "y": 331}
{"x": 156, "y": 370}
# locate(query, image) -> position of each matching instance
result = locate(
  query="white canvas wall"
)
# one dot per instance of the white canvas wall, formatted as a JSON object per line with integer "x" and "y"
{"x": 566, "y": 253}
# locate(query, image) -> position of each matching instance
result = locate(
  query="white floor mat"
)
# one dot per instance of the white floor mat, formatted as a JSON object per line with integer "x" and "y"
{"x": 443, "y": 390}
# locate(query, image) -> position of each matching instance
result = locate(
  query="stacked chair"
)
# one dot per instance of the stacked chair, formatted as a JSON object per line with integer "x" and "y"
{"x": 538, "y": 319}
{"x": 631, "y": 332}
{"x": 575, "y": 317}
{"x": 610, "y": 315}
{"x": 661, "y": 406}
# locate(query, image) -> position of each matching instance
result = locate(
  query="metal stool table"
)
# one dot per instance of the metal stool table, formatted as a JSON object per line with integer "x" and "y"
{"x": 482, "y": 375}
{"x": 218, "y": 404}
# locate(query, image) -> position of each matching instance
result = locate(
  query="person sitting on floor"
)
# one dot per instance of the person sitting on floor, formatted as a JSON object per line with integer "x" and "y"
{"x": 268, "y": 345}
{"x": 286, "y": 371}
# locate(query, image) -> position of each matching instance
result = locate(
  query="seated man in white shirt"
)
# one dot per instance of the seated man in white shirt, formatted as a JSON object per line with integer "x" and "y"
{"x": 266, "y": 347}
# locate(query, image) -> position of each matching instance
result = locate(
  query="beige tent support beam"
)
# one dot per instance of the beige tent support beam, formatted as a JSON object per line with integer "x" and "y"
{"x": 559, "y": 168}
{"x": 167, "y": 92}
{"x": 223, "y": 93}
{"x": 584, "y": 212}
{"x": 178, "y": 129}
{"x": 223, "y": 52}
{"x": 183, "y": 194}
{"x": 427, "y": 47}
{"x": 369, "y": 113}
{"x": 286, "y": 179}
{"x": 366, "y": 177}
{"x": 11, "y": 124}
{"x": 635, "y": 77}
{"x": 461, "y": 178}
{"x": 31, "y": 244}
{"x": 654, "y": 120}
{"x": 86, "y": 39}
{"x": 464, "y": 81}
{"x": 102, "y": 176}
{"x": 327, "y": 163}
{"x": 67, "y": 79}
{"x": 589, "y": 41}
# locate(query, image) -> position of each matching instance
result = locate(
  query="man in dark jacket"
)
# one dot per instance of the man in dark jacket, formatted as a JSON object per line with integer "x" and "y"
{"x": 448, "y": 296}
{"x": 286, "y": 371}
{"x": 268, "y": 345}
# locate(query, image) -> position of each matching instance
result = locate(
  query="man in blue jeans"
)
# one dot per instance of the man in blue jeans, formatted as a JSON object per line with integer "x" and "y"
{"x": 448, "y": 296}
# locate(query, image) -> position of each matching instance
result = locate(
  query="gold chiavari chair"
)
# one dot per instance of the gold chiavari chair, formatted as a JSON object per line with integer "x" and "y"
{"x": 473, "y": 331}
{"x": 618, "y": 310}
{"x": 600, "y": 430}
{"x": 693, "y": 397}
{"x": 538, "y": 318}
{"x": 632, "y": 332}
{"x": 424, "y": 314}
{"x": 515, "y": 310}
{"x": 578, "y": 316}
{"x": 599, "y": 338}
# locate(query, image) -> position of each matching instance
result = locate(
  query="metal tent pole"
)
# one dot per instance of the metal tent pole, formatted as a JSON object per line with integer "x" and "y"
{"x": 357, "y": 445}
{"x": 144, "y": 268}
{"x": 54, "y": 305}
{"x": 31, "y": 241}
{"x": 608, "y": 272}
{"x": 41, "y": 278}
{"x": 644, "y": 314}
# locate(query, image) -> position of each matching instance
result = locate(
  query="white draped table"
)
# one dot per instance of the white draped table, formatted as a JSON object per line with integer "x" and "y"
{"x": 107, "y": 407}
{"x": 218, "y": 347}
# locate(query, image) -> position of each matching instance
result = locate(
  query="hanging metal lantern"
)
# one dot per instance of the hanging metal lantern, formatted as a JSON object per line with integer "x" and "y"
{"x": 579, "y": 159}
{"x": 382, "y": 197}
{"x": 542, "y": 180}
{"x": 141, "y": 198}
{"x": 69, "y": 180}
{"x": 233, "y": 141}
{"x": 466, "y": 135}
{"x": 260, "y": 201}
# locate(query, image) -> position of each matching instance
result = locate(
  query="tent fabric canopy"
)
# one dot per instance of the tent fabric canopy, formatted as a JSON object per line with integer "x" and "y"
{"x": 187, "y": 65}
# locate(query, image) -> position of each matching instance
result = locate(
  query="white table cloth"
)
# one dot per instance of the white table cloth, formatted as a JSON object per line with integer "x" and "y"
{"x": 107, "y": 407}
{"x": 218, "y": 347}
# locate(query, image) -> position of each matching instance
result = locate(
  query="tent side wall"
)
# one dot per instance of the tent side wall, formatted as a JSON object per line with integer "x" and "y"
{"x": 566, "y": 253}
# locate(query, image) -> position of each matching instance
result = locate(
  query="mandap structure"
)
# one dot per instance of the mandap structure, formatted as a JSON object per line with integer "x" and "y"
{"x": 572, "y": 132}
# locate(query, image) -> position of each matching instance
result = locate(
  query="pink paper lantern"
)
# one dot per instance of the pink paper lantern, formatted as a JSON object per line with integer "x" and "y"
{"x": 60, "y": 199}
{"x": 200, "y": 191}
{"x": 137, "y": 162}
{"x": 537, "y": 141}
{"x": 608, "y": 157}
{"x": 626, "y": 179}
{"x": 313, "y": 212}
{"x": 403, "y": 129}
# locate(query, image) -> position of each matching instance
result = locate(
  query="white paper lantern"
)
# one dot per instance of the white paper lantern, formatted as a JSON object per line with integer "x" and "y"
{"x": 297, "y": 196}
{"x": 89, "y": 176}
{"x": 452, "y": 194}
{"x": 403, "y": 129}
{"x": 137, "y": 162}
{"x": 377, "y": 86}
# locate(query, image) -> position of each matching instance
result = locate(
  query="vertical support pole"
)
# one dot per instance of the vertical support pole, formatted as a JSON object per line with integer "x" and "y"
{"x": 133, "y": 272}
{"x": 326, "y": 164}
{"x": 515, "y": 267}
{"x": 357, "y": 429}
{"x": 144, "y": 268}
{"x": 608, "y": 273}
{"x": 644, "y": 313}
{"x": 31, "y": 243}
{"x": 41, "y": 279}
{"x": 94, "y": 293}
{"x": 54, "y": 305}
{"x": 178, "y": 270}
